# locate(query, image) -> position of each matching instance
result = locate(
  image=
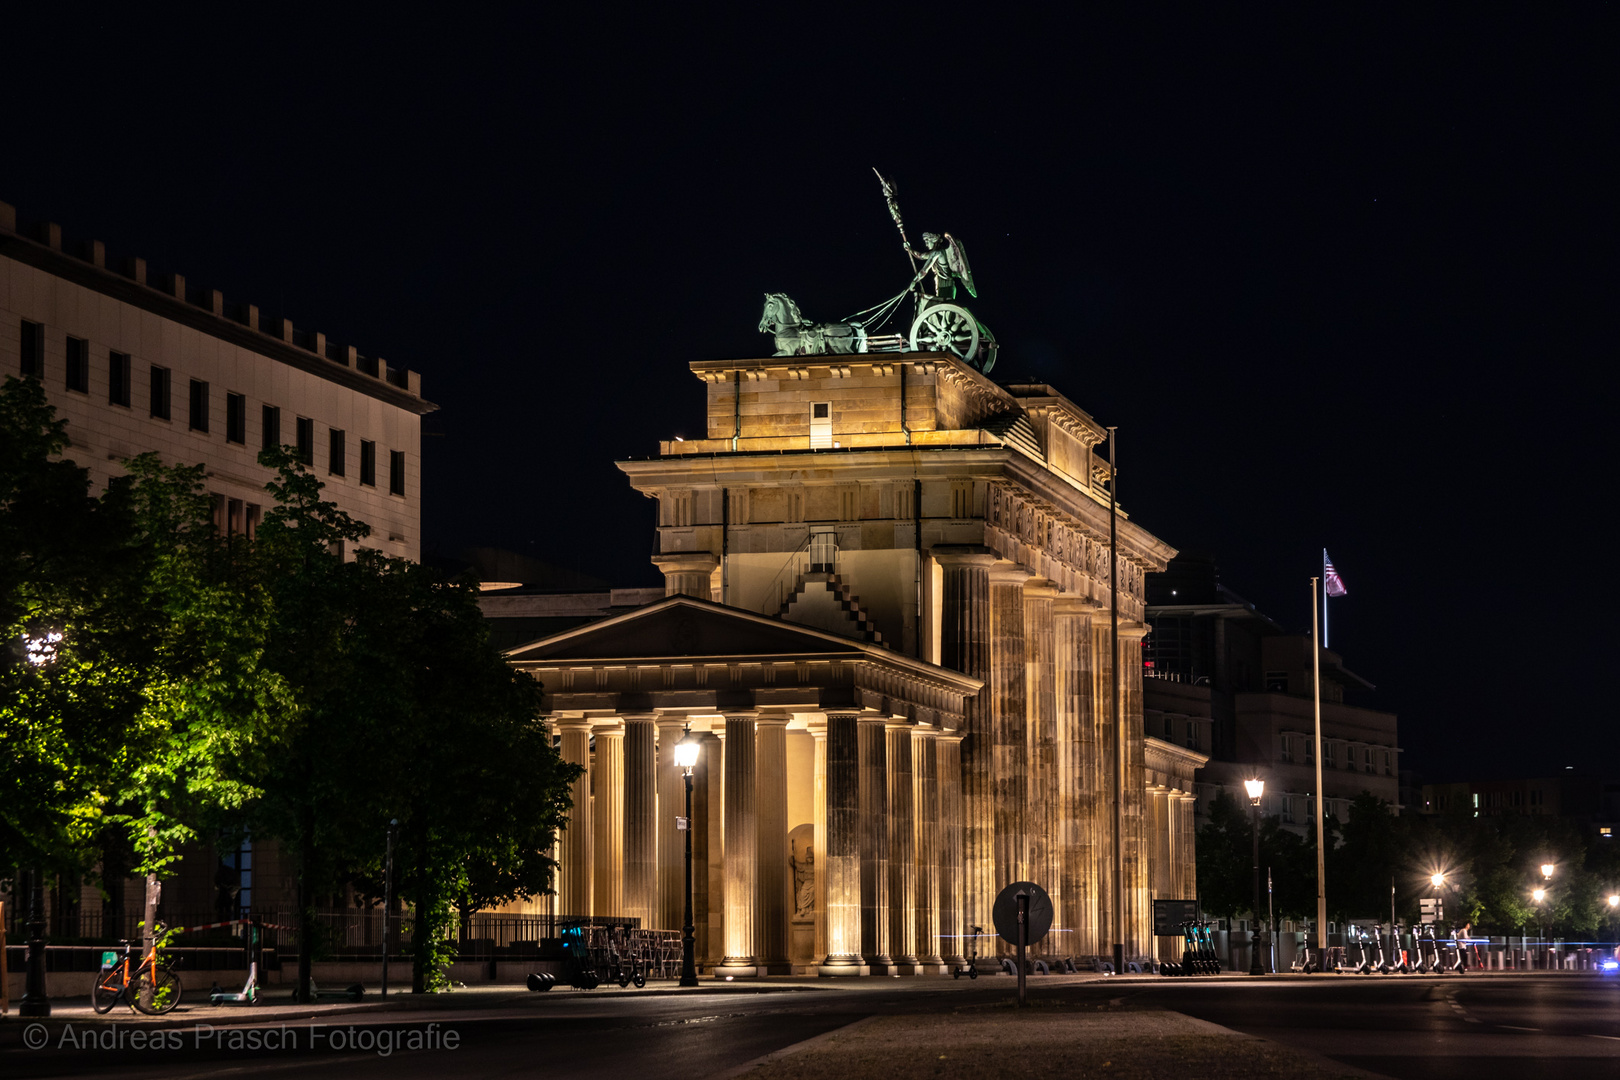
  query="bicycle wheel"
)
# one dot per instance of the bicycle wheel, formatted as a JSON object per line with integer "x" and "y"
{"x": 157, "y": 994}
{"x": 108, "y": 989}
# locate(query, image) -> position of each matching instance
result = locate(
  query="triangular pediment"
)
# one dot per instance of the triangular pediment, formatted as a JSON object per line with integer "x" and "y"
{"x": 680, "y": 627}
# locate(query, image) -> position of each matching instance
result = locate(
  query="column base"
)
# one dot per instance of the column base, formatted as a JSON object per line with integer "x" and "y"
{"x": 775, "y": 967}
{"x": 737, "y": 968}
{"x": 841, "y": 968}
{"x": 903, "y": 967}
{"x": 932, "y": 967}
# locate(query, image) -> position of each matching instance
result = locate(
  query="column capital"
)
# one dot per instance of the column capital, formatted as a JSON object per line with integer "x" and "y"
{"x": 1133, "y": 630}
{"x": 687, "y": 562}
{"x": 1040, "y": 588}
{"x": 962, "y": 555}
{"x": 1072, "y": 604}
{"x": 897, "y": 723}
{"x": 772, "y": 719}
{"x": 608, "y": 725}
{"x": 1007, "y": 572}
{"x": 574, "y": 723}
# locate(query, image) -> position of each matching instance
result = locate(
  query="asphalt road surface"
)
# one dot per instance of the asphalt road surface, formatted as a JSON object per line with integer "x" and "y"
{"x": 1523, "y": 1027}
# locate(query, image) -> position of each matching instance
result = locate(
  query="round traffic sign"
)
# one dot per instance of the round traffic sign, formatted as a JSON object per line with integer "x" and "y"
{"x": 1005, "y": 912}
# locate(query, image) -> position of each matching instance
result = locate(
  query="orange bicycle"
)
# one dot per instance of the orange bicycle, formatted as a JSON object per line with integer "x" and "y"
{"x": 148, "y": 987}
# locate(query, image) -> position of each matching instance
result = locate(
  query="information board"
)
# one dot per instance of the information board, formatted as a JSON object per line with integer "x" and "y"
{"x": 1168, "y": 915}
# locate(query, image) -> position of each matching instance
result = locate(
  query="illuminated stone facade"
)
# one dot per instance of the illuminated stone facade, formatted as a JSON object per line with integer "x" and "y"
{"x": 953, "y": 530}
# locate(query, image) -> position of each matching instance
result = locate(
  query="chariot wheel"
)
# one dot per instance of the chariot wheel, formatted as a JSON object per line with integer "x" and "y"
{"x": 946, "y": 328}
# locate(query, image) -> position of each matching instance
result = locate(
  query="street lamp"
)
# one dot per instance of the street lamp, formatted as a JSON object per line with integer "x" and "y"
{"x": 1539, "y": 895}
{"x": 1255, "y": 788}
{"x": 1437, "y": 880}
{"x": 1547, "y": 869}
{"x": 39, "y": 651}
{"x": 686, "y": 755}
{"x": 1614, "y": 900}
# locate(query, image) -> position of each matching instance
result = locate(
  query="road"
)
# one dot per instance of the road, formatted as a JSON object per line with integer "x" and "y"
{"x": 1520, "y": 1026}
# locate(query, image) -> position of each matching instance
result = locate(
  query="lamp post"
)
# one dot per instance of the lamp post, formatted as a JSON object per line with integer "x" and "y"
{"x": 1255, "y": 788}
{"x": 40, "y": 651}
{"x": 686, "y": 755}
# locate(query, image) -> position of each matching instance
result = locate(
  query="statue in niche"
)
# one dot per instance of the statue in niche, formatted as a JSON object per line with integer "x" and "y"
{"x": 804, "y": 879}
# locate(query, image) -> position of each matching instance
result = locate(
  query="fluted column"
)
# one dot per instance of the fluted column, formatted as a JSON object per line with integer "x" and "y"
{"x": 742, "y": 853}
{"x": 952, "y": 924}
{"x": 818, "y": 812}
{"x": 574, "y": 872}
{"x": 1075, "y": 739}
{"x": 902, "y": 824}
{"x": 1139, "y": 906}
{"x": 671, "y": 841}
{"x": 874, "y": 844}
{"x": 925, "y": 781}
{"x": 842, "y": 850}
{"x": 607, "y": 879}
{"x": 640, "y": 820}
{"x": 1009, "y": 715}
{"x": 773, "y": 905}
{"x": 1103, "y": 773}
{"x": 1041, "y": 815}
{"x": 965, "y": 646}
{"x": 709, "y": 849}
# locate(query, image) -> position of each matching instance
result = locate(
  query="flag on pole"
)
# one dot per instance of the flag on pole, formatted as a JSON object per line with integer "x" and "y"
{"x": 1332, "y": 583}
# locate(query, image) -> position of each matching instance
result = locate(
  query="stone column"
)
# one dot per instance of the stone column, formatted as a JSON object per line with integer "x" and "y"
{"x": 689, "y": 573}
{"x": 640, "y": 821}
{"x": 773, "y": 905}
{"x": 1139, "y": 909}
{"x": 1042, "y": 812}
{"x": 818, "y": 797}
{"x": 952, "y": 925}
{"x": 965, "y": 646}
{"x": 925, "y": 769}
{"x": 874, "y": 844}
{"x": 671, "y": 841}
{"x": 1075, "y": 739}
{"x": 709, "y": 850}
{"x": 1103, "y": 785}
{"x": 1009, "y": 715}
{"x": 742, "y": 854}
{"x": 902, "y": 826}
{"x": 574, "y": 870}
{"x": 607, "y": 896}
{"x": 842, "y": 849}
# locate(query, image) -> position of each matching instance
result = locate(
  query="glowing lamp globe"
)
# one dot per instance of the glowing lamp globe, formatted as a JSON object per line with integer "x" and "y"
{"x": 1255, "y": 788}
{"x": 1437, "y": 880}
{"x": 1547, "y": 869}
{"x": 1539, "y": 895}
{"x": 686, "y": 751}
{"x": 1614, "y": 900}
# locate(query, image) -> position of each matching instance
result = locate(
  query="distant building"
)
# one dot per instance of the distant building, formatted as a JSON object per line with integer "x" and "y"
{"x": 138, "y": 364}
{"x": 1222, "y": 678}
{"x": 1571, "y": 794}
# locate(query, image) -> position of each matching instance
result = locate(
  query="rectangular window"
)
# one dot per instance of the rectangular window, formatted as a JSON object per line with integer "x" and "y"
{"x": 1366, "y": 759}
{"x": 199, "y": 405}
{"x": 1276, "y": 682}
{"x": 1386, "y": 763}
{"x": 336, "y": 453}
{"x": 820, "y": 424}
{"x": 368, "y": 463}
{"x": 33, "y": 349}
{"x": 1330, "y": 754}
{"x": 396, "y": 472}
{"x": 1310, "y": 752}
{"x": 306, "y": 441}
{"x": 235, "y": 418}
{"x": 160, "y": 393}
{"x": 270, "y": 418}
{"x": 1288, "y": 748}
{"x": 118, "y": 379}
{"x": 78, "y": 365}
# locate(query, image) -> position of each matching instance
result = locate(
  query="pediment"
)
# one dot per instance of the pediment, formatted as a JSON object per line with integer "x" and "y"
{"x": 680, "y": 627}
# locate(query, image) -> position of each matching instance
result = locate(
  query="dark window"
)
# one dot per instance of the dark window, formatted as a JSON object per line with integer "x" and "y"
{"x": 160, "y": 392}
{"x": 1276, "y": 682}
{"x": 396, "y": 472}
{"x": 199, "y": 405}
{"x": 118, "y": 378}
{"x": 336, "y": 453}
{"x": 306, "y": 440}
{"x": 368, "y": 463}
{"x": 33, "y": 349}
{"x": 78, "y": 365}
{"x": 272, "y": 426}
{"x": 235, "y": 418}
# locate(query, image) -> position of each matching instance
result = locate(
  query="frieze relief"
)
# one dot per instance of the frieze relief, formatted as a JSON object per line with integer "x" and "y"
{"x": 1050, "y": 537}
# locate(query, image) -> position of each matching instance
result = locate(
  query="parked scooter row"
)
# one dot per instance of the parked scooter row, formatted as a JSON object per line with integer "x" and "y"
{"x": 1363, "y": 953}
{"x": 1197, "y": 953}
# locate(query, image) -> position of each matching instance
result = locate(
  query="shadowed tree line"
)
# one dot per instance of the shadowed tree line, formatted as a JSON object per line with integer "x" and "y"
{"x": 1491, "y": 865}
{"x": 162, "y": 685}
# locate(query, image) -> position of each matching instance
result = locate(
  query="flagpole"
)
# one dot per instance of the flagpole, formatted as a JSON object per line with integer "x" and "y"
{"x": 1321, "y": 853}
{"x": 1324, "y": 600}
{"x": 1118, "y": 732}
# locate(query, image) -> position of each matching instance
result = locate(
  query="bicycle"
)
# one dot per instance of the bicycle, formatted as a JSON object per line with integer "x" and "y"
{"x": 156, "y": 988}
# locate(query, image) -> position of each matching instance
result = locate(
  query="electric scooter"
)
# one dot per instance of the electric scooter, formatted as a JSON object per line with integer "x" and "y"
{"x": 970, "y": 966}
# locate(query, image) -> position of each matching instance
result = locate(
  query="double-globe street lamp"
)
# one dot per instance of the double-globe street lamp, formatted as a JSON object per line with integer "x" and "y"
{"x": 39, "y": 651}
{"x": 1255, "y": 788}
{"x": 686, "y": 755}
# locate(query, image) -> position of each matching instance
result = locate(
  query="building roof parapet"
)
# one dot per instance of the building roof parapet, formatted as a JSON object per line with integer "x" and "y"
{"x": 206, "y": 310}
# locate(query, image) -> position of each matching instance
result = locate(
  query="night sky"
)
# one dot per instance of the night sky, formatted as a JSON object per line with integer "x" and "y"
{"x": 1345, "y": 279}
